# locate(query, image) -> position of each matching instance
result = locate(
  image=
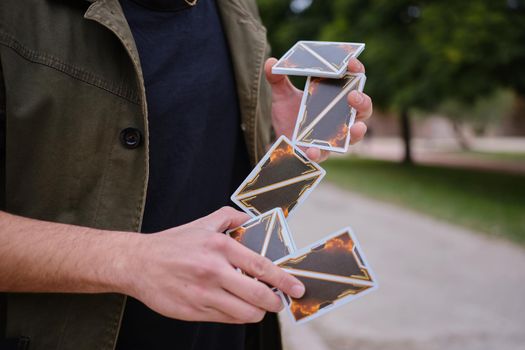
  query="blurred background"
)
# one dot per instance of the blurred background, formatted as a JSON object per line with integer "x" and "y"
{"x": 436, "y": 191}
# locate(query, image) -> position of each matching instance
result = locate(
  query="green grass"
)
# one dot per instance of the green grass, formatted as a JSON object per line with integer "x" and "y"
{"x": 489, "y": 202}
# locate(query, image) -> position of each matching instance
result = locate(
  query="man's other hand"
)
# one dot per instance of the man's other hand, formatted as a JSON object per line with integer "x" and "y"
{"x": 286, "y": 100}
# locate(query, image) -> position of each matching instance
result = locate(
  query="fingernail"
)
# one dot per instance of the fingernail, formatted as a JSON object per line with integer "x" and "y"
{"x": 297, "y": 291}
{"x": 361, "y": 67}
{"x": 357, "y": 97}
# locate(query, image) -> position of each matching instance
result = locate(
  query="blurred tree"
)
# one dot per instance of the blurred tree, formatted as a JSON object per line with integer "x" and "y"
{"x": 484, "y": 111}
{"x": 482, "y": 41}
{"x": 418, "y": 53}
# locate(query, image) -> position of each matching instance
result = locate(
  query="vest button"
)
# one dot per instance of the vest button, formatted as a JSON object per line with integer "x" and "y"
{"x": 130, "y": 138}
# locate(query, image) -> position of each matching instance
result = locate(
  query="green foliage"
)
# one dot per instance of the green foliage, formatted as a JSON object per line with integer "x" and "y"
{"x": 418, "y": 53}
{"x": 482, "y": 41}
{"x": 285, "y": 27}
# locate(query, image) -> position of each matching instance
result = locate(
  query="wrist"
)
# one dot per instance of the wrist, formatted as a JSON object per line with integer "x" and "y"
{"x": 124, "y": 262}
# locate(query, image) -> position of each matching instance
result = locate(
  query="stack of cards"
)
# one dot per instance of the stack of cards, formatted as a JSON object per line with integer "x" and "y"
{"x": 266, "y": 234}
{"x": 318, "y": 59}
{"x": 282, "y": 179}
{"x": 333, "y": 270}
{"x": 325, "y": 117}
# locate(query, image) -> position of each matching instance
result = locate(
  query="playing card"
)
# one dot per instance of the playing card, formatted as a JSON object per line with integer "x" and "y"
{"x": 325, "y": 118}
{"x": 318, "y": 58}
{"x": 283, "y": 178}
{"x": 334, "y": 271}
{"x": 266, "y": 234}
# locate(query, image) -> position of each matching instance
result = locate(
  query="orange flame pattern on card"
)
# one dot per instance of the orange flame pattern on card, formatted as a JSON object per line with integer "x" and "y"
{"x": 279, "y": 153}
{"x": 289, "y": 64}
{"x": 238, "y": 234}
{"x": 347, "y": 48}
{"x": 340, "y": 136}
{"x": 341, "y": 242}
{"x": 305, "y": 309}
{"x": 314, "y": 85}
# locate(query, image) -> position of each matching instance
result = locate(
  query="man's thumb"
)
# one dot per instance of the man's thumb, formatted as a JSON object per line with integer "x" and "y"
{"x": 273, "y": 79}
{"x": 221, "y": 220}
{"x": 282, "y": 87}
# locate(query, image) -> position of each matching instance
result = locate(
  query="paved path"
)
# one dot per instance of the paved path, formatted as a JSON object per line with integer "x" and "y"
{"x": 441, "y": 286}
{"x": 431, "y": 152}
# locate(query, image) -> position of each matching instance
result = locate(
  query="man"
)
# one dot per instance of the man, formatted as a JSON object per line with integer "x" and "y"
{"x": 136, "y": 116}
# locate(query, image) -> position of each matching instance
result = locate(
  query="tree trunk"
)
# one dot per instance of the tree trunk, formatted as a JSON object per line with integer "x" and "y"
{"x": 515, "y": 124}
{"x": 460, "y": 136}
{"x": 406, "y": 134}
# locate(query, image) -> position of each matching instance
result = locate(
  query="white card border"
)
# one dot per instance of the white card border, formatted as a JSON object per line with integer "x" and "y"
{"x": 353, "y": 113}
{"x": 289, "y": 238}
{"x": 287, "y": 235}
{"x": 314, "y": 72}
{"x": 321, "y": 173}
{"x": 346, "y": 299}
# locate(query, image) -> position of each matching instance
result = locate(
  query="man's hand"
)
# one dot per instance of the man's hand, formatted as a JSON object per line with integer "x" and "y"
{"x": 286, "y": 100}
{"x": 189, "y": 273}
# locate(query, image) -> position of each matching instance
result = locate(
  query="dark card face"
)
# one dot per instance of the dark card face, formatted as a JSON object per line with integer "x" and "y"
{"x": 300, "y": 57}
{"x": 266, "y": 234}
{"x": 320, "y": 295}
{"x": 325, "y": 117}
{"x": 318, "y": 59}
{"x": 334, "y": 272}
{"x": 283, "y": 179}
{"x": 338, "y": 257}
{"x": 336, "y": 54}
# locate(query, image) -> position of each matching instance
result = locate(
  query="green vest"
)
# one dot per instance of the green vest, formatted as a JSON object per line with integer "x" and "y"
{"x": 70, "y": 82}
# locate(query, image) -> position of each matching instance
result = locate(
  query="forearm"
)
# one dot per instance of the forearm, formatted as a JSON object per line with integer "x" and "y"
{"x": 39, "y": 256}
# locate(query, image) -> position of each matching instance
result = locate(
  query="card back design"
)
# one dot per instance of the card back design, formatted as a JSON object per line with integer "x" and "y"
{"x": 325, "y": 118}
{"x": 301, "y": 57}
{"x": 319, "y": 296}
{"x": 318, "y": 58}
{"x": 337, "y": 54}
{"x": 267, "y": 234}
{"x": 334, "y": 271}
{"x": 283, "y": 178}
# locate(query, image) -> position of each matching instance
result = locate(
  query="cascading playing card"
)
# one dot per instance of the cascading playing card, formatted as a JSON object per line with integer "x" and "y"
{"x": 325, "y": 118}
{"x": 282, "y": 179}
{"x": 266, "y": 234}
{"x": 334, "y": 272}
{"x": 318, "y": 59}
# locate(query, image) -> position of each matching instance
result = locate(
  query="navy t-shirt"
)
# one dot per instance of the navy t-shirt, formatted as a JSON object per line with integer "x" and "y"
{"x": 197, "y": 153}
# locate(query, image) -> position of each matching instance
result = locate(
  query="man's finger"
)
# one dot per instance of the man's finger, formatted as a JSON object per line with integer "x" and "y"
{"x": 313, "y": 154}
{"x": 281, "y": 85}
{"x": 355, "y": 66}
{"x": 324, "y": 156}
{"x": 235, "y": 307}
{"x": 272, "y": 78}
{"x": 221, "y": 220}
{"x": 261, "y": 268}
{"x": 251, "y": 291}
{"x": 357, "y": 132}
{"x": 362, "y": 104}
{"x": 214, "y": 315}
{"x": 317, "y": 155}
